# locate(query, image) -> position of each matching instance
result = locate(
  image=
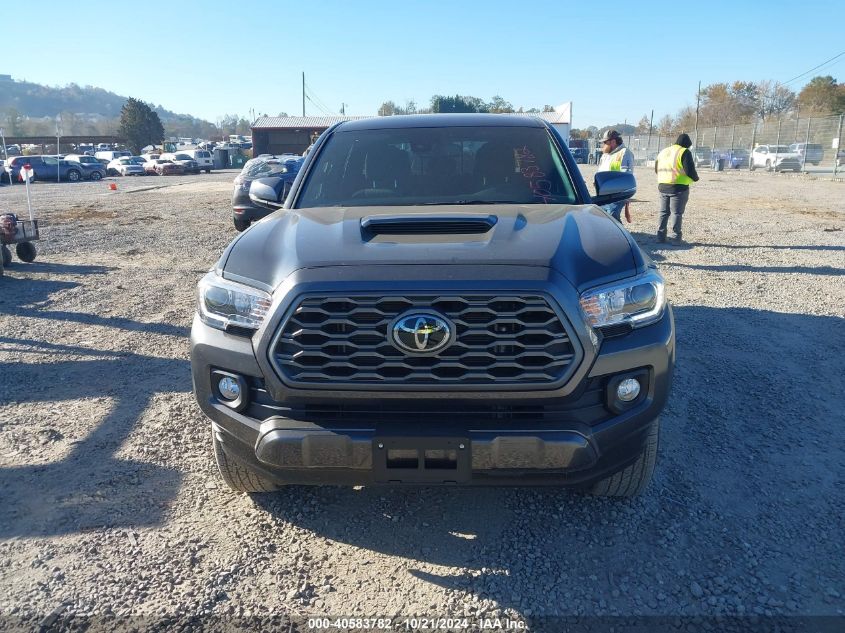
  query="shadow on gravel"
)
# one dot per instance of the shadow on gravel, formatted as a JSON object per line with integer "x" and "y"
{"x": 89, "y": 488}
{"x": 29, "y": 298}
{"x": 61, "y": 269}
{"x": 747, "y": 488}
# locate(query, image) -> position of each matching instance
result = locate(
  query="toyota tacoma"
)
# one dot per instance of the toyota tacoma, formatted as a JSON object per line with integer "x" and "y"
{"x": 437, "y": 299}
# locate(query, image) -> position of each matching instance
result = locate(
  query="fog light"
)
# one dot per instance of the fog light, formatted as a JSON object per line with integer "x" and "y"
{"x": 628, "y": 390}
{"x": 231, "y": 390}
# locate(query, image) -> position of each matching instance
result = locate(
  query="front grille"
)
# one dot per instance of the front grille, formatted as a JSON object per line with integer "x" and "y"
{"x": 499, "y": 340}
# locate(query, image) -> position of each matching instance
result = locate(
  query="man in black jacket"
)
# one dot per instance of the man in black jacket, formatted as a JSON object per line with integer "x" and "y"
{"x": 675, "y": 169}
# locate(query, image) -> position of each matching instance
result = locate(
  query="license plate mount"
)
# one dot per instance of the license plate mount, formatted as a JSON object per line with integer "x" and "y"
{"x": 425, "y": 460}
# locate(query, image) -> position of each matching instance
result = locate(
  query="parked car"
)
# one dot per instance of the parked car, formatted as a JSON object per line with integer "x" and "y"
{"x": 110, "y": 155}
{"x": 48, "y": 168}
{"x": 814, "y": 152}
{"x": 244, "y": 212}
{"x": 125, "y": 166}
{"x": 702, "y": 156}
{"x": 775, "y": 158}
{"x": 12, "y": 150}
{"x": 163, "y": 167}
{"x": 92, "y": 168}
{"x": 202, "y": 158}
{"x": 188, "y": 164}
{"x": 733, "y": 159}
{"x": 151, "y": 156}
{"x": 415, "y": 318}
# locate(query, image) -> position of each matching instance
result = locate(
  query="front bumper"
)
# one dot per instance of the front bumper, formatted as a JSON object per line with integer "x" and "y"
{"x": 571, "y": 436}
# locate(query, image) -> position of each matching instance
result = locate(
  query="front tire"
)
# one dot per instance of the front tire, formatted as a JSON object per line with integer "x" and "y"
{"x": 26, "y": 252}
{"x": 237, "y": 477}
{"x": 74, "y": 175}
{"x": 633, "y": 480}
{"x": 96, "y": 176}
{"x": 241, "y": 225}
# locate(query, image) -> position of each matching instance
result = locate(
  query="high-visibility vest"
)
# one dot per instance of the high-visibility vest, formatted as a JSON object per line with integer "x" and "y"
{"x": 616, "y": 160}
{"x": 670, "y": 170}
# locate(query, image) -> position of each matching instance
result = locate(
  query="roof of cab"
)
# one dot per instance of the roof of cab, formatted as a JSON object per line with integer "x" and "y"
{"x": 440, "y": 120}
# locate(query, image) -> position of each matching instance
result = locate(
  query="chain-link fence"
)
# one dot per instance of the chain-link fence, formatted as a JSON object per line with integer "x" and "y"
{"x": 812, "y": 145}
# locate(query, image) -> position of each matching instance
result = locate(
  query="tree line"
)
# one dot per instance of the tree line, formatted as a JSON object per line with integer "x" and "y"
{"x": 457, "y": 103}
{"x": 742, "y": 102}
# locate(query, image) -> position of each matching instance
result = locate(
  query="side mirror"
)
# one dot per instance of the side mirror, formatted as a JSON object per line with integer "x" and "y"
{"x": 614, "y": 186}
{"x": 268, "y": 192}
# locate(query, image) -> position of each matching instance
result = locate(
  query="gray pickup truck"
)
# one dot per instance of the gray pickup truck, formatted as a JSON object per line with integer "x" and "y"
{"x": 436, "y": 300}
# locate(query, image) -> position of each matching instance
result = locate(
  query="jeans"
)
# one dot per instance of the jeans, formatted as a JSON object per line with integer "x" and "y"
{"x": 672, "y": 204}
{"x": 614, "y": 209}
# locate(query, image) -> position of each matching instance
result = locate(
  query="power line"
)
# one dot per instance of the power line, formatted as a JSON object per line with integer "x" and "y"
{"x": 317, "y": 101}
{"x": 814, "y": 68}
{"x": 317, "y": 105}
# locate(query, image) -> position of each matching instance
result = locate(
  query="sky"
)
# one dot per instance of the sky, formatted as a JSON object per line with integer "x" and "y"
{"x": 615, "y": 61}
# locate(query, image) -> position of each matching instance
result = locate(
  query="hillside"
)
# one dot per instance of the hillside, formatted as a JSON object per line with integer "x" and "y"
{"x": 28, "y": 108}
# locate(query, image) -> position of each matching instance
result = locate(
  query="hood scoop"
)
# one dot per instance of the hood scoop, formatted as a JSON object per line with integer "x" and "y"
{"x": 419, "y": 224}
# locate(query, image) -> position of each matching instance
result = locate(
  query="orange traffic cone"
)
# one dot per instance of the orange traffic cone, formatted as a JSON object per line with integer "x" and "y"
{"x": 113, "y": 186}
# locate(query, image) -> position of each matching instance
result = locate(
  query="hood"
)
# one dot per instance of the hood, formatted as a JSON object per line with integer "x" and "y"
{"x": 582, "y": 243}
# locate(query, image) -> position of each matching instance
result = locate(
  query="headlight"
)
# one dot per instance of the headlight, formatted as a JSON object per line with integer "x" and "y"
{"x": 639, "y": 302}
{"x": 223, "y": 303}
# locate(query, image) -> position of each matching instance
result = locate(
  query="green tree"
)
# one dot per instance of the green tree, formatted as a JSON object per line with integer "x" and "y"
{"x": 498, "y": 104}
{"x": 458, "y": 103}
{"x": 388, "y": 108}
{"x": 14, "y": 122}
{"x": 822, "y": 95}
{"x": 139, "y": 125}
{"x": 644, "y": 125}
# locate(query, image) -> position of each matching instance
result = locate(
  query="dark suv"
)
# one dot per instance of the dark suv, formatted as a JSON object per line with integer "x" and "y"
{"x": 438, "y": 301}
{"x": 244, "y": 211}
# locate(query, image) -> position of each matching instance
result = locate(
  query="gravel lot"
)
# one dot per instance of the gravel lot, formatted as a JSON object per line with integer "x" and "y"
{"x": 111, "y": 505}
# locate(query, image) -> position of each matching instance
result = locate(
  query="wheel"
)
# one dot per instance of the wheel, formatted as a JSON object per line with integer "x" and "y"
{"x": 26, "y": 252}
{"x": 208, "y": 171}
{"x": 96, "y": 175}
{"x": 631, "y": 481}
{"x": 7, "y": 255}
{"x": 753, "y": 166}
{"x": 236, "y": 476}
{"x": 241, "y": 225}
{"x": 74, "y": 175}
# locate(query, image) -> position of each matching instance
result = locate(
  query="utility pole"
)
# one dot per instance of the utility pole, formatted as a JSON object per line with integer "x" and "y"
{"x": 650, "y": 128}
{"x": 58, "y": 151}
{"x": 697, "y": 104}
{"x": 343, "y": 109}
{"x": 303, "y": 93}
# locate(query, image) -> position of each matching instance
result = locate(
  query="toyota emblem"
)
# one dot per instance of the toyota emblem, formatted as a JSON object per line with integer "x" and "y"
{"x": 421, "y": 333}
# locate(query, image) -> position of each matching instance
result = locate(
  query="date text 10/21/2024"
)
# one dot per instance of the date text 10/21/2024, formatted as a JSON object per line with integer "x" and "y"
{"x": 416, "y": 624}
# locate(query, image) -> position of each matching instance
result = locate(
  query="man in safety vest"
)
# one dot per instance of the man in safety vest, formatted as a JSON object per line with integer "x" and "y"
{"x": 675, "y": 169}
{"x": 615, "y": 157}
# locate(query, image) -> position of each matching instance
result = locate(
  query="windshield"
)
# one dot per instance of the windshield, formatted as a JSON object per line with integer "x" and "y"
{"x": 271, "y": 167}
{"x": 449, "y": 165}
